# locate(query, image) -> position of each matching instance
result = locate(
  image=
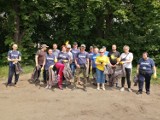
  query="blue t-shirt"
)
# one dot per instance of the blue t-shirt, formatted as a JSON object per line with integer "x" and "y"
{"x": 82, "y": 58}
{"x": 90, "y": 55}
{"x": 93, "y": 59}
{"x": 63, "y": 56}
{"x": 49, "y": 61}
{"x": 146, "y": 65}
{"x": 56, "y": 52}
{"x": 75, "y": 52}
{"x": 13, "y": 55}
{"x": 106, "y": 53}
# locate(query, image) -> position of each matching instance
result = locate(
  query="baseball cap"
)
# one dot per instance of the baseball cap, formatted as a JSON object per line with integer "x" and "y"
{"x": 83, "y": 45}
{"x": 44, "y": 45}
{"x": 68, "y": 46}
{"x": 101, "y": 50}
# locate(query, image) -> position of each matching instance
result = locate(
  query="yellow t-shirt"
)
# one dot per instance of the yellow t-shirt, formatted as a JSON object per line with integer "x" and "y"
{"x": 102, "y": 59}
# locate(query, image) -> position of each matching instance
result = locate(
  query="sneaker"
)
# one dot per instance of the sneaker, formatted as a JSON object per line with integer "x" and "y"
{"x": 50, "y": 87}
{"x": 129, "y": 90}
{"x": 85, "y": 89}
{"x": 139, "y": 92}
{"x": 60, "y": 87}
{"x": 104, "y": 88}
{"x": 47, "y": 87}
{"x": 98, "y": 88}
{"x": 148, "y": 93}
{"x": 122, "y": 89}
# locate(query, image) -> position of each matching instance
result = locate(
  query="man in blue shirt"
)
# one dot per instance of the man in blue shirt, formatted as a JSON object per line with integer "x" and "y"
{"x": 145, "y": 69}
{"x": 14, "y": 56}
{"x": 82, "y": 64}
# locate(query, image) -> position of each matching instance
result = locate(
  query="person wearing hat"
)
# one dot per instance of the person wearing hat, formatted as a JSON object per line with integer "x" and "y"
{"x": 101, "y": 61}
{"x": 82, "y": 62}
{"x": 74, "y": 52}
{"x": 68, "y": 50}
{"x": 39, "y": 59}
{"x": 14, "y": 56}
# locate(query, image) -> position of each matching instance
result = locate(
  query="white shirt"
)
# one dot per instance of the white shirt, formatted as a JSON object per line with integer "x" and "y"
{"x": 127, "y": 56}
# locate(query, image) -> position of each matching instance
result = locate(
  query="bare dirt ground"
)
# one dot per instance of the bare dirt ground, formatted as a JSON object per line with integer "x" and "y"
{"x": 29, "y": 102}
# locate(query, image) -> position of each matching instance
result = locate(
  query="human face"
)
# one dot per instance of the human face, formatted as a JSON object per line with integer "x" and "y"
{"x": 50, "y": 52}
{"x": 101, "y": 53}
{"x": 15, "y": 47}
{"x": 145, "y": 56}
{"x": 82, "y": 48}
{"x": 54, "y": 46}
{"x": 64, "y": 49}
{"x": 114, "y": 47}
{"x": 68, "y": 49}
{"x": 75, "y": 46}
{"x": 91, "y": 49}
{"x": 126, "y": 49}
{"x": 95, "y": 50}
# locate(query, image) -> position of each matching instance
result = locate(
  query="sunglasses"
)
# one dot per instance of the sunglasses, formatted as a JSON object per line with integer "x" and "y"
{"x": 101, "y": 52}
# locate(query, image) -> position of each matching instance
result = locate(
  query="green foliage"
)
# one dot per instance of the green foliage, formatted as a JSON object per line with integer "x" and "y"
{"x": 93, "y": 22}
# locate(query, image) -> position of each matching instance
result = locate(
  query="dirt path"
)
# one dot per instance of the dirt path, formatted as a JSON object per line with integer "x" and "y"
{"x": 30, "y": 102}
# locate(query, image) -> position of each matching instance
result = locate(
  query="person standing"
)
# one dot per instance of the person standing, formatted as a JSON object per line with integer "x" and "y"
{"x": 74, "y": 51}
{"x": 82, "y": 62}
{"x": 101, "y": 61}
{"x": 126, "y": 59}
{"x": 14, "y": 56}
{"x": 105, "y": 51}
{"x": 90, "y": 65}
{"x": 55, "y": 50}
{"x": 39, "y": 59}
{"x": 93, "y": 60}
{"x": 145, "y": 69}
{"x": 113, "y": 56}
{"x": 68, "y": 50}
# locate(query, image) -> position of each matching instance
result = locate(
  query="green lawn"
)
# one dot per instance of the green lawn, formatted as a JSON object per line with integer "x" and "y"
{"x": 4, "y": 70}
{"x": 29, "y": 69}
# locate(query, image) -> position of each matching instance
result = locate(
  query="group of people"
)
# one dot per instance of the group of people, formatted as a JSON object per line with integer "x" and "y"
{"x": 72, "y": 62}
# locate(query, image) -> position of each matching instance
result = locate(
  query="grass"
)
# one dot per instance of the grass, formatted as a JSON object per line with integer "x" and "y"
{"x": 4, "y": 70}
{"x": 29, "y": 69}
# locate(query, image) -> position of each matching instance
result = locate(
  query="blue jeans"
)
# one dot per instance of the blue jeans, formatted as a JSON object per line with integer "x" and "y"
{"x": 12, "y": 72}
{"x": 73, "y": 68}
{"x": 100, "y": 76}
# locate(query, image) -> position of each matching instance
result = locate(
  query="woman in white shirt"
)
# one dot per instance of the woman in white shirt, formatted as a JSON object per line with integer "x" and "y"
{"x": 126, "y": 59}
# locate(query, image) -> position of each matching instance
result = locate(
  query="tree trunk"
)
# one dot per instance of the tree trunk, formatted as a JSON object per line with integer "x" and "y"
{"x": 18, "y": 33}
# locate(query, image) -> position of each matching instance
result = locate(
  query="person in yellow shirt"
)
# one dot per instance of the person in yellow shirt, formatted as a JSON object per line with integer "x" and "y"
{"x": 101, "y": 62}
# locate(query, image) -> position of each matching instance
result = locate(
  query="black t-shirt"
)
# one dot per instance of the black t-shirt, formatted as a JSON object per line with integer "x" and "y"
{"x": 113, "y": 57}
